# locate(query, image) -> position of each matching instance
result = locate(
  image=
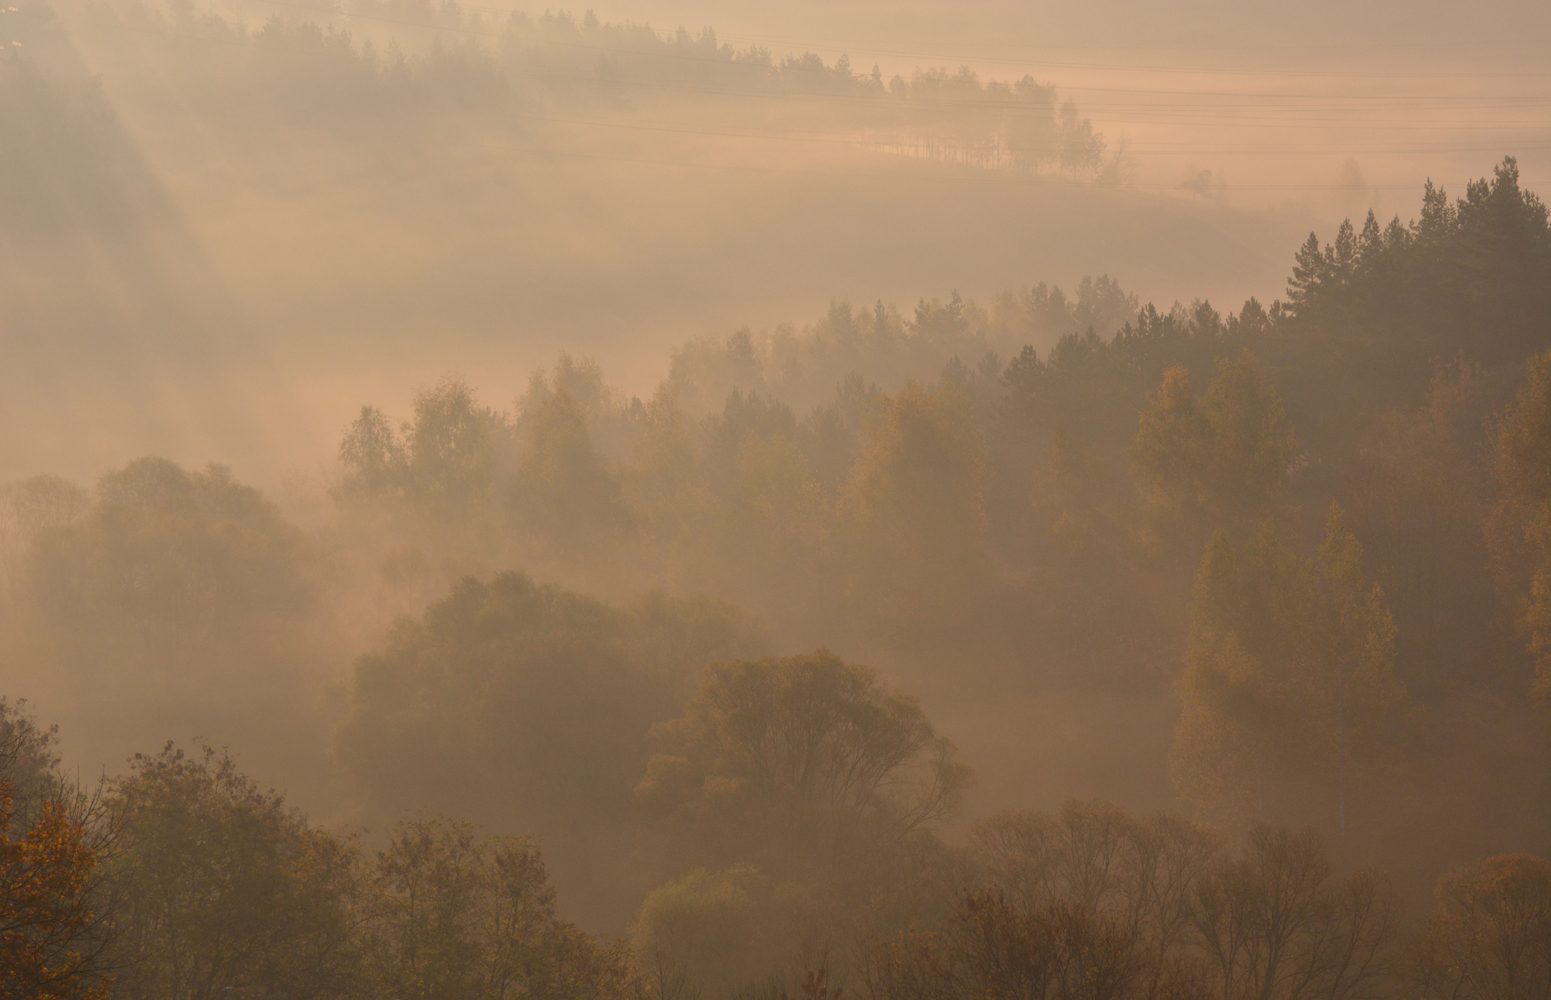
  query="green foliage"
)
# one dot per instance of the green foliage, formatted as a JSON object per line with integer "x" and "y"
{"x": 563, "y": 488}
{"x": 913, "y": 509}
{"x": 808, "y": 741}
{"x": 879, "y": 480}
{"x": 28, "y": 508}
{"x": 1043, "y": 312}
{"x": 228, "y": 888}
{"x": 777, "y": 528}
{"x": 486, "y": 65}
{"x": 1223, "y": 460}
{"x": 372, "y": 458}
{"x": 815, "y": 787}
{"x": 1006, "y": 516}
{"x": 1082, "y": 150}
{"x": 450, "y": 449}
{"x": 526, "y": 707}
{"x": 170, "y": 551}
{"x": 184, "y": 590}
{"x": 229, "y": 891}
{"x": 712, "y": 928}
{"x": 450, "y": 915}
{"x": 1290, "y": 688}
{"x": 1420, "y": 501}
{"x": 538, "y": 674}
{"x": 1472, "y": 277}
{"x": 442, "y": 463}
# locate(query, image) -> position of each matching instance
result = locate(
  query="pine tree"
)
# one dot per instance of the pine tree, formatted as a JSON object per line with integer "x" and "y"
{"x": 1311, "y": 274}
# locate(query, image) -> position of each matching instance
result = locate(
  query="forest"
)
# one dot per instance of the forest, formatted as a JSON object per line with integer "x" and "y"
{"x": 1202, "y": 654}
{"x": 526, "y": 75}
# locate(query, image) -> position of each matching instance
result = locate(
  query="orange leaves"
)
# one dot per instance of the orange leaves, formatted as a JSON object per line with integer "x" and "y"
{"x": 45, "y": 875}
{"x": 1491, "y": 935}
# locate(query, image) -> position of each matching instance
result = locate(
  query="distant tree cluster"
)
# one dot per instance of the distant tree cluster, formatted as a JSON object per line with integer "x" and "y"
{"x": 1463, "y": 276}
{"x": 316, "y": 70}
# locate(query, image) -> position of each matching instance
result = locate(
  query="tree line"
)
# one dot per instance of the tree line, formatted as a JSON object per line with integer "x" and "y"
{"x": 184, "y": 878}
{"x": 1320, "y": 525}
{"x": 407, "y": 62}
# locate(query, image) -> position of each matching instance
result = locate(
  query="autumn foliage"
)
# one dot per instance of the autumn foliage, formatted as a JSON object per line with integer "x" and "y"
{"x": 46, "y": 906}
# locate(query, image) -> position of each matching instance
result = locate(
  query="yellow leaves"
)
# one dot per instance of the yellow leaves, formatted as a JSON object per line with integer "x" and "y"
{"x": 719, "y": 788}
{"x": 914, "y": 516}
{"x": 44, "y": 878}
{"x": 446, "y": 913}
{"x": 1219, "y": 459}
{"x": 710, "y": 924}
{"x": 1170, "y": 446}
{"x": 1524, "y": 471}
{"x": 665, "y": 778}
{"x": 777, "y": 516}
{"x": 1491, "y": 932}
{"x": 922, "y": 458}
{"x": 1290, "y": 673}
{"x": 1524, "y": 441}
{"x": 1537, "y": 618}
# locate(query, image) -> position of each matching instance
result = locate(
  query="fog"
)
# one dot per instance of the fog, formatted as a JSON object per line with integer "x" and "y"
{"x": 335, "y": 233}
{"x": 822, "y": 471}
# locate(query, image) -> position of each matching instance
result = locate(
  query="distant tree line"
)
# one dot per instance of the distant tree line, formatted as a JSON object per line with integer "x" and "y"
{"x": 442, "y": 57}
